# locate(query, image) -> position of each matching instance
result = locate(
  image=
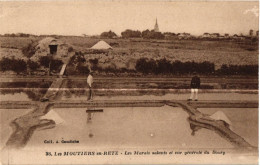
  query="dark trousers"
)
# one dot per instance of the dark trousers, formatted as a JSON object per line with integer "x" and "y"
{"x": 90, "y": 93}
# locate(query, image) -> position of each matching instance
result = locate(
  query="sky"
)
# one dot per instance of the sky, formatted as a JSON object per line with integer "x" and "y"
{"x": 94, "y": 17}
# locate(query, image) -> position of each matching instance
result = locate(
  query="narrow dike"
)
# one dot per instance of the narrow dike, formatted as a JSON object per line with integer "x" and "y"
{"x": 24, "y": 126}
{"x": 199, "y": 120}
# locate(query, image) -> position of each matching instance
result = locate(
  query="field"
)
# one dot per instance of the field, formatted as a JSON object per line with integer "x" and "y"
{"x": 125, "y": 52}
{"x": 217, "y": 52}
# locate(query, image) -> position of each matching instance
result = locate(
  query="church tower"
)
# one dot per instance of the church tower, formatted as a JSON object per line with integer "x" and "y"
{"x": 156, "y": 27}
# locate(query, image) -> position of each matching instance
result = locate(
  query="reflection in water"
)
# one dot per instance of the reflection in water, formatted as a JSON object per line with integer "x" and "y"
{"x": 90, "y": 115}
{"x": 89, "y": 121}
{"x": 32, "y": 94}
{"x": 40, "y": 84}
{"x": 34, "y": 90}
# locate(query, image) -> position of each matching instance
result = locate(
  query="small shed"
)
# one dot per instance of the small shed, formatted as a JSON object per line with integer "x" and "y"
{"x": 52, "y": 46}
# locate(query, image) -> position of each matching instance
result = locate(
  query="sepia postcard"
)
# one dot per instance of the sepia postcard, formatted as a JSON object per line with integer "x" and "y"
{"x": 129, "y": 82}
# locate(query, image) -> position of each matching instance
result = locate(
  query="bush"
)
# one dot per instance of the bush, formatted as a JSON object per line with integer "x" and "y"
{"x": 32, "y": 65}
{"x": 141, "y": 65}
{"x": 16, "y": 65}
{"x": 19, "y": 66}
{"x": 238, "y": 70}
{"x": 96, "y": 51}
{"x": 45, "y": 61}
{"x": 55, "y": 64}
{"x": 78, "y": 57}
{"x": 5, "y": 64}
{"x": 81, "y": 69}
{"x": 93, "y": 61}
{"x": 164, "y": 66}
{"x": 146, "y": 66}
{"x": 29, "y": 50}
{"x": 70, "y": 49}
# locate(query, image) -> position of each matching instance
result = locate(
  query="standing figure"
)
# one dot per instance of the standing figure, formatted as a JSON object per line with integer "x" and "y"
{"x": 195, "y": 85}
{"x": 90, "y": 82}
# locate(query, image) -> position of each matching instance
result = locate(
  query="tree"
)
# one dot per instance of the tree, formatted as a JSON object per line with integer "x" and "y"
{"x": 152, "y": 34}
{"x": 251, "y": 32}
{"x": 108, "y": 34}
{"x": 131, "y": 34}
{"x": 145, "y": 33}
{"x": 226, "y": 35}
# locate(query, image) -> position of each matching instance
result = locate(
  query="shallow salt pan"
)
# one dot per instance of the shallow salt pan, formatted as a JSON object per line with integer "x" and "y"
{"x": 163, "y": 127}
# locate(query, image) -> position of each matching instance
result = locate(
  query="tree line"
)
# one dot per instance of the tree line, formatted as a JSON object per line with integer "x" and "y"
{"x": 147, "y": 34}
{"x": 21, "y": 66}
{"x": 143, "y": 65}
{"x": 151, "y": 34}
{"x": 164, "y": 66}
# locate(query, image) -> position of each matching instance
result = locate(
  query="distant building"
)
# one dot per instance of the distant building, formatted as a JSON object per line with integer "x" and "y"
{"x": 205, "y": 35}
{"x": 221, "y": 37}
{"x": 169, "y": 35}
{"x": 238, "y": 37}
{"x": 156, "y": 26}
{"x": 184, "y": 35}
{"x": 214, "y": 35}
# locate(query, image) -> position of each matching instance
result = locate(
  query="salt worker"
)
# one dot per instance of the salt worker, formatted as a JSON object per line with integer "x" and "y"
{"x": 195, "y": 85}
{"x": 90, "y": 82}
